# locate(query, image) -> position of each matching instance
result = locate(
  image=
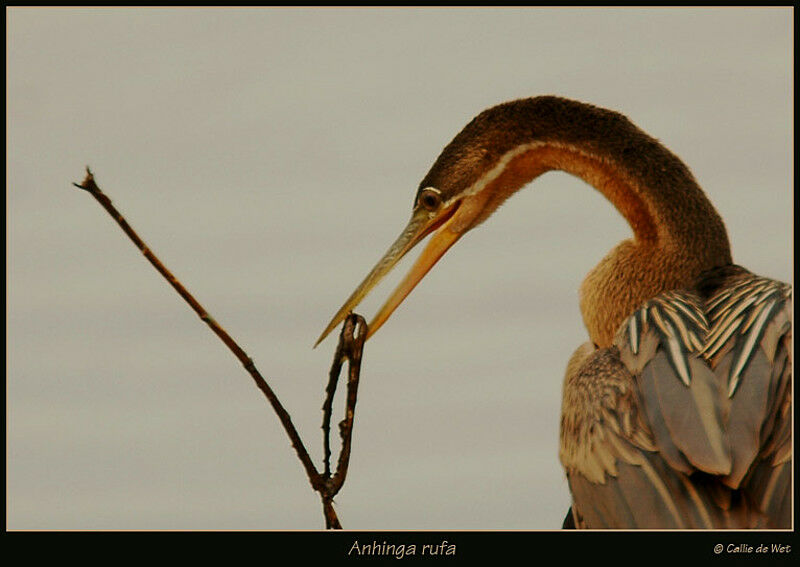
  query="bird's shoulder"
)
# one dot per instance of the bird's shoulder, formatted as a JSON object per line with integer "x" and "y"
{"x": 693, "y": 396}
{"x": 688, "y": 369}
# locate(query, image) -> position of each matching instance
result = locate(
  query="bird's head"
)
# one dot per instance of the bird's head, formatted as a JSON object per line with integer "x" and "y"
{"x": 468, "y": 181}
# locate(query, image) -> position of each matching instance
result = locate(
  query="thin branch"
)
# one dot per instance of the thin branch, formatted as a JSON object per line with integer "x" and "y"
{"x": 353, "y": 345}
{"x": 350, "y": 348}
{"x": 339, "y": 357}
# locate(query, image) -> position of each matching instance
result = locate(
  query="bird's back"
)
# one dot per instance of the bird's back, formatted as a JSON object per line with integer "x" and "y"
{"x": 685, "y": 421}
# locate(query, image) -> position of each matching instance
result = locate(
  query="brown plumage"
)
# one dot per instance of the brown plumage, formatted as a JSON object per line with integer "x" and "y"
{"x": 684, "y": 422}
{"x": 677, "y": 413}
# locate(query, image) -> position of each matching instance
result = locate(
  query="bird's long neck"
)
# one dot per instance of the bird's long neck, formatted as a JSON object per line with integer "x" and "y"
{"x": 677, "y": 232}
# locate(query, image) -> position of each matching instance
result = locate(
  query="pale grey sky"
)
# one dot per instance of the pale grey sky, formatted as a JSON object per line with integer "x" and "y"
{"x": 269, "y": 156}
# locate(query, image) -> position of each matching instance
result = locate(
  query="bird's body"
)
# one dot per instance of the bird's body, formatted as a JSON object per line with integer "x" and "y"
{"x": 677, "y": 413}
{"x": 684, "y": 421}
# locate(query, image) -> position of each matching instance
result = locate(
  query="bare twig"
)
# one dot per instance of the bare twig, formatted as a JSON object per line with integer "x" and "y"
{"x": 350, "y": 348}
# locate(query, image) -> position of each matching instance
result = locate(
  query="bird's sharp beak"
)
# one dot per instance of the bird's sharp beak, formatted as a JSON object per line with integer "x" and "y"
{"x": 422, "y": 223}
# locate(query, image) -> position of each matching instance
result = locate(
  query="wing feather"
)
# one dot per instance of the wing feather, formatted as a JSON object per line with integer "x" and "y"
{"x": 686, "y": 420}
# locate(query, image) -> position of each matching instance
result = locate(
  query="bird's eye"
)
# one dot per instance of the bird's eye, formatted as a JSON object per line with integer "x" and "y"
{"x": 430, "y": 199}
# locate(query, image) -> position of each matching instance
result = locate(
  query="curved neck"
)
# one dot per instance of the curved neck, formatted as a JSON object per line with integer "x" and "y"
{"x": 677, "y": 232}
